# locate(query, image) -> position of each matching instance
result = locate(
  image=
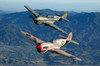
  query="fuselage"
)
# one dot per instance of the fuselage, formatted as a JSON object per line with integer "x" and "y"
{"x": 56, "y": 44}
{"x": 40, "y": 19}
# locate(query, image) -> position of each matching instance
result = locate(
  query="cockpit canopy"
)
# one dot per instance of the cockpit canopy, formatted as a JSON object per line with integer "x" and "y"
{"x": 56, "y": 42}
{"x": 50, "y": 16}
{"x": 60, "y": 42}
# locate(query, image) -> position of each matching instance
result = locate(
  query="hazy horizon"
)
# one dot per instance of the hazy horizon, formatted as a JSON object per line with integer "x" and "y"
{"x": 63, "y": 5}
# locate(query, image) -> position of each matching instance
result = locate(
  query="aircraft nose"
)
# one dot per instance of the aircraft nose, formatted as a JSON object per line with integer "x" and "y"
{"x": 39, "y": 47}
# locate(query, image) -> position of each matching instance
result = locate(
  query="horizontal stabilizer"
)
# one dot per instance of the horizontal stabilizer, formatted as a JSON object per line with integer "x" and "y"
{"x": 62, "y": 36}
{"x": 74, "y": 42}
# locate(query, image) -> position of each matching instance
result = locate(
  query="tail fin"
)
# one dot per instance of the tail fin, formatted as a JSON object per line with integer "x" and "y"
{"x": 69, "y": 38}
{"x": 65, "y": 16}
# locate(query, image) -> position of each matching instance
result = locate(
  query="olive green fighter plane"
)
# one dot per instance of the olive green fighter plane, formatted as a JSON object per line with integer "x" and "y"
{"x": 54, "y": 46}
{"x": 49, "y": 21}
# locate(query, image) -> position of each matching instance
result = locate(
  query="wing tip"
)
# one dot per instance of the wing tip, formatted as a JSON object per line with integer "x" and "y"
{"x": 25, "y": 6}
{"x": 21, "y": 31}
{"x": 78, "y": 59}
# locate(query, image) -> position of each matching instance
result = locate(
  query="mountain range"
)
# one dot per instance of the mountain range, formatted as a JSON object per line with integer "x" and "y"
{"x": 16, "y": 49}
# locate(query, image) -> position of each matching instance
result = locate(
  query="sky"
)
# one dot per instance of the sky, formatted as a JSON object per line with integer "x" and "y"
{"x": 60, "y": 5}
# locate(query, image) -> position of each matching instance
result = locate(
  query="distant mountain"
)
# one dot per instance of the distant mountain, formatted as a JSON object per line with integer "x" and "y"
{"x": 52, "y": 12}
{"x": 16, "y": 49}
{"x": 4, "y": 12}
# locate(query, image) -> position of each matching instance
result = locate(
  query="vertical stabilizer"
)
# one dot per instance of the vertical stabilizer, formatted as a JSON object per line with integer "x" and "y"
{"x": 69, "y": 36}
{"x": 65, "y": 16}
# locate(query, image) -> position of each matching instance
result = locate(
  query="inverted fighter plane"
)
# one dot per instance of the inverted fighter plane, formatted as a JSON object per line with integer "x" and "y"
{"x": 54, "y": 46}
{"x": 48, "y": 20}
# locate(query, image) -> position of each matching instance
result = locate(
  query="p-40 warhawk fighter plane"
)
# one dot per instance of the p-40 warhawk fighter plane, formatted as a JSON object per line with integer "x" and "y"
{"x": 54, "y": 46}
{"x": 48, "y": 20}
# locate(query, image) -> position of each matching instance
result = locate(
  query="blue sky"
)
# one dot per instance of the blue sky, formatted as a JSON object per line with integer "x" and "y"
{"x": 61, "y": 5}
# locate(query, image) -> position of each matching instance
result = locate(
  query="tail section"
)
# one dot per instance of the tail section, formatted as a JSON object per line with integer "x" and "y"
{"x": 74, "y": 42}
{"x": 69, "y": 39}
{"x": 69, "y": 36}
{"x": 32, "y": 11}
{"x": 65, "y": 16}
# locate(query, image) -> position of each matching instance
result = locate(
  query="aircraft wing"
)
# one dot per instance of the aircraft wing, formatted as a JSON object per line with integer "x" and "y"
{"x": 36, "y": 40}
{"x": 32, "y": 11}
{"x": 66, "y": 54}
{"x": 54, "y": 26}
